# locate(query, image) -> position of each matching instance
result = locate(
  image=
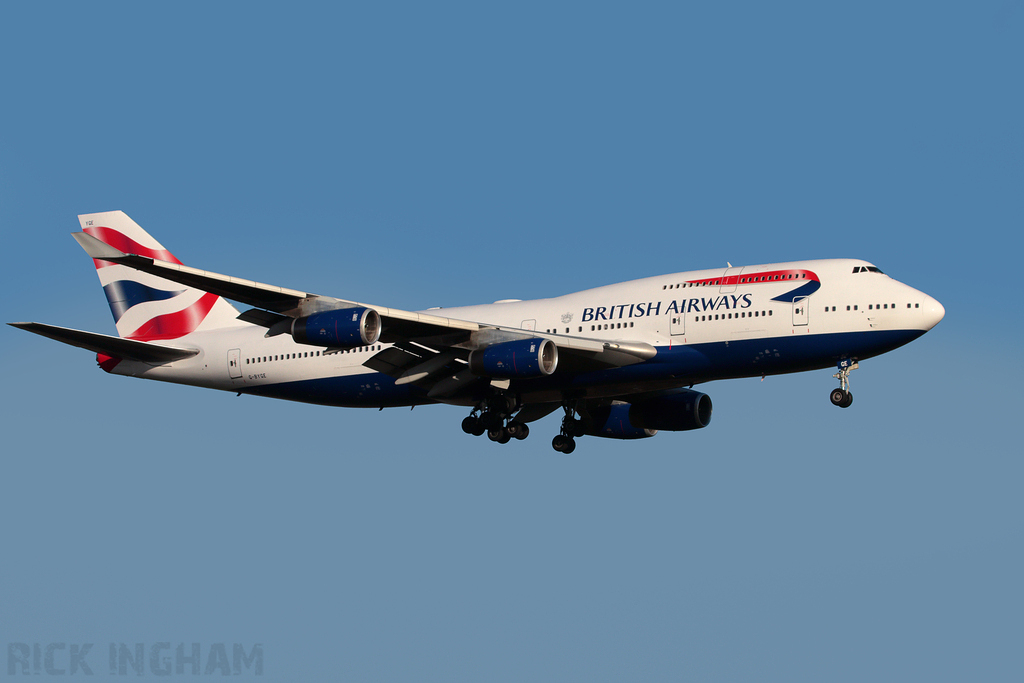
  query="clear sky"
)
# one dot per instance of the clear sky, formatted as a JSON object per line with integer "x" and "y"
{"x": 437, "y": 154}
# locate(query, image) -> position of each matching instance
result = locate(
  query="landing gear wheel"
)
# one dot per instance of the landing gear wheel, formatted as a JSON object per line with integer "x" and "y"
{"x": 472, "y": 425}
{"x": 500, "y": 435}
{"x": 563, "y": 444}
{"x": 841, "y": 398}
{"x": 518, "y": 430}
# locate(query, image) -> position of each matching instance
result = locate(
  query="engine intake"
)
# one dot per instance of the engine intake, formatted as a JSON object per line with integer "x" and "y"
{"x": 343, "y": 328}
{"x": 515, "y": 359}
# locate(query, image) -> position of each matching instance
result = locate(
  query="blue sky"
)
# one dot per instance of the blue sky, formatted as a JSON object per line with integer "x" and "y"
{"x": 417, "y": 155}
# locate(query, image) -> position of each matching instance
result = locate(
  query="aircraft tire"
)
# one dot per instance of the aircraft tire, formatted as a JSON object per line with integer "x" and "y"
{"x": 471, "y": 425}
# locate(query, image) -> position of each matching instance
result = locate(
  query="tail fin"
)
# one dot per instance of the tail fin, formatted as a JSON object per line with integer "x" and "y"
{"x": 146, "y": 307}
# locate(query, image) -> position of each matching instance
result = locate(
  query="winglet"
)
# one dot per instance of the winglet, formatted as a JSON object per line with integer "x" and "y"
{"x": 97, "y": 248}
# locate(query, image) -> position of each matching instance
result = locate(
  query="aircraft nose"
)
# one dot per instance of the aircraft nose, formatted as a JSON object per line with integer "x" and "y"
{"x": 933, "y": 312}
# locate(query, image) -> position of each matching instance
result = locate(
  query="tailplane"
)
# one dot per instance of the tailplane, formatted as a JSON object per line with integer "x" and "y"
{"x": 146, "y": 307}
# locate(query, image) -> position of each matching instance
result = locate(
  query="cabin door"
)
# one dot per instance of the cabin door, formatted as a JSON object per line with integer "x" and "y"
{"x": 800, "y": 305}
{"x": 235, "y": 363}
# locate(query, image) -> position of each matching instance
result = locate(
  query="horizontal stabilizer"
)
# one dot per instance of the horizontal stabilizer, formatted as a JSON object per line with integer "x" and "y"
{"x": 129, "y": 349}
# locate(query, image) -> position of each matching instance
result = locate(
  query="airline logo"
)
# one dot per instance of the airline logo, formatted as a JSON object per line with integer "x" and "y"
{"x": 807, "y": 283}
{"x": 808, "y": 280}
{"x": 145, "y": 307}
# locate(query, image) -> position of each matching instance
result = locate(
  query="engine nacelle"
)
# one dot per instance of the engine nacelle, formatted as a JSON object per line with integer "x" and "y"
{"x": 515, "y": 359}
{"x": 343, "y": 328}
{"x": 676, "y": 412}
{"x": 612, "y": 422}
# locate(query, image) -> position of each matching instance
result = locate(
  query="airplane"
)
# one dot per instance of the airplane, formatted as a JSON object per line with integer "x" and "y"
{"x": 620, "y": 360}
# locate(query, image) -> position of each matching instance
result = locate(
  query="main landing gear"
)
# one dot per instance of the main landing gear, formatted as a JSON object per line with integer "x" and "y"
{"x": 571, "y": 427}
{"x": 842, "y": 397}
{"x": 494, "y": 417}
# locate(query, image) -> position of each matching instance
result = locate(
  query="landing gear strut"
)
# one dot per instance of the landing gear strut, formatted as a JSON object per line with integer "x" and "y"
{"x": 842, "y": 396}
{"x": 571, "y": 427}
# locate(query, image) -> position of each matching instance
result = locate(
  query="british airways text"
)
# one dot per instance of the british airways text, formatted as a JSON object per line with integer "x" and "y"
{"x": 620, "y": 311}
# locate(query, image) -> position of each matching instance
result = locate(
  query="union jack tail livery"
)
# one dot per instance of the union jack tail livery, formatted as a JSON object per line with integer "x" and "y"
{"x": 147, "y": 307}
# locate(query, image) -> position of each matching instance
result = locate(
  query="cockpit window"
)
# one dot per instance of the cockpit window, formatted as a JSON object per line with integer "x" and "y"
{"x": 867, "y": 269}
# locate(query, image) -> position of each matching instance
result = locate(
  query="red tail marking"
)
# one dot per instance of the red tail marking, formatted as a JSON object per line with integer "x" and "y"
{"x": 127, "y": 245}
{"x": 178, "y": 324}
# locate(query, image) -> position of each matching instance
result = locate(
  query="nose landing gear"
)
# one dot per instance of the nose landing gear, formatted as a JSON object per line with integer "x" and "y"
{"x": 842, "y": 396}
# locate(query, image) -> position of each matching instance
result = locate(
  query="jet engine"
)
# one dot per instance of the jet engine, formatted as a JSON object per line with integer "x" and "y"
{"x": 342, "y": 328}
{"x": 515, "y": 359}
{"x": 678, "y": 412}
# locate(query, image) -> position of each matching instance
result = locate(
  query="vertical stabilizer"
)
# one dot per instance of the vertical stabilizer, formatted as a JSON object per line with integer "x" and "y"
{"x": 146, "y": 307}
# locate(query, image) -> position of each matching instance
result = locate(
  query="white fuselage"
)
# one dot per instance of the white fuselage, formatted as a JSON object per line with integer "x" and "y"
{"x": 749, "y": 321}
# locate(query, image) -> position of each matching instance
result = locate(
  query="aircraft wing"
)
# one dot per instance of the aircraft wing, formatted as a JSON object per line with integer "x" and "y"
{"x": 129, "y": 349}
{"x": 288, "y": 302}
{"x": 419, "y": 338}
